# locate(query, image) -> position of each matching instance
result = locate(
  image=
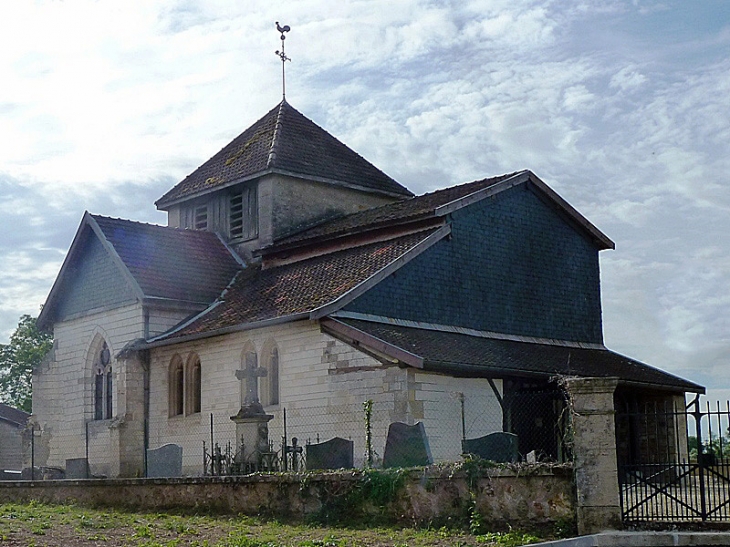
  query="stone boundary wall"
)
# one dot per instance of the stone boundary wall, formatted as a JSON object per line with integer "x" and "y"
{"x": 521, "y": 496}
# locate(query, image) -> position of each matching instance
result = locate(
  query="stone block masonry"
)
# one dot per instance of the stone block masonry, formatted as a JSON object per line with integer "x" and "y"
{"x": 538, "y": 496}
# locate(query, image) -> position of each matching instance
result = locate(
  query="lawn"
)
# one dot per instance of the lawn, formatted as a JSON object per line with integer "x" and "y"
{"x": 35, "y": 524}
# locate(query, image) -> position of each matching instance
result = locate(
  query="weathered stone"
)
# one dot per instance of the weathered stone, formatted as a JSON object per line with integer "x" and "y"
{"x": 594, "y": 450}
{"x": 337, "y": 453}
{"x": 165, "y": 461}
{"x": 406, "y": 446}
{"x": 538, "y": 495}
{"x": 497, "y": 447}
{"x": 77, "y": 468}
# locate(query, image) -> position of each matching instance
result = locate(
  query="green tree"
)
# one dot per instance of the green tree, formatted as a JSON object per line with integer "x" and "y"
{"x": 27, "y": 347}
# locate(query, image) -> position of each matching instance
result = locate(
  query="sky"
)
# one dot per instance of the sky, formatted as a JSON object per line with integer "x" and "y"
{"x": 622, "y": 107}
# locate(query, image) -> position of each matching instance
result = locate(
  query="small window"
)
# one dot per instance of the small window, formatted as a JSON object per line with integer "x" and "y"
{"x": 200, "y": 217}
{"x": 193, "y": 385}
{"x": 184, "y": 386}
{"x": 269, "y": 384}
{"x": 103, "y": 384}
{"x": 176, "y": 386}
{"x": 274, "y": 377}
{"x": 244, "y": 217}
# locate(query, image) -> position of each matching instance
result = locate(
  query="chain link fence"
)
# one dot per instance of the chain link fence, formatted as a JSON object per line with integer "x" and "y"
{"x": 443, "y": 427}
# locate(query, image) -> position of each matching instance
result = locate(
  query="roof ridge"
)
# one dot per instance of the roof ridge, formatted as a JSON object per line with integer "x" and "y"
{"x": 276, "y": 137}
{"x": 299, "y": 236}
{"x": 154, "y": 226}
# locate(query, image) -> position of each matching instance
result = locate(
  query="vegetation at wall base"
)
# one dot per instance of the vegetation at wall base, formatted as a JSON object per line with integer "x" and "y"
{"x": 36, "y": 524}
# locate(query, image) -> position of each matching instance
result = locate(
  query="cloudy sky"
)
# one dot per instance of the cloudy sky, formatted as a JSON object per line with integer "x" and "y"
{"x": 623, "y": 107}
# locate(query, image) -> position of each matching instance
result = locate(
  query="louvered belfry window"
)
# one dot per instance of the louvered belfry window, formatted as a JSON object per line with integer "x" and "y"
{"x": 244, "y": 214}
{"x": 200, "y": 217}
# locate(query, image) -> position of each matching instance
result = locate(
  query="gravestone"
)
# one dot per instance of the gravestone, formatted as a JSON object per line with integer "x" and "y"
{"x": 406, "y": 446}
{"x": 77, "y": 468}
{"x": 337, "y": 453}
{"x": 497, "y": 447}
{"x": 165, "y": 461}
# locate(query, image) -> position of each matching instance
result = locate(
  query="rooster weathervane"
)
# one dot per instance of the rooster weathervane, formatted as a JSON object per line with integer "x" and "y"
{"x": 282, "y": 56}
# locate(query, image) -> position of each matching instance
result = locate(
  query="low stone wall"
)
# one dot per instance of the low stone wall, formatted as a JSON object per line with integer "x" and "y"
{"x": 525, "y": 496}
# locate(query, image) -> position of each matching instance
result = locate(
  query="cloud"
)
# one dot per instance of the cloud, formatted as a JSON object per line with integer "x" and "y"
{"x": 106, "y": 107}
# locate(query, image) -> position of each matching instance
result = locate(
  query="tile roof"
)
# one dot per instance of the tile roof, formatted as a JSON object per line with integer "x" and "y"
{"x": 286, "y": 141}
{"x": 300, "y": 287}
{"x": 466, "y": 353}
{"x": 171, "y": 263}
{"x": 393, "y": 213}
{"x": 13, "y": 415}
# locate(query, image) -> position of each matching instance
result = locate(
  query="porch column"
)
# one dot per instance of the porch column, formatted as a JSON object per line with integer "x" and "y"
{"x": 594, "y": 454}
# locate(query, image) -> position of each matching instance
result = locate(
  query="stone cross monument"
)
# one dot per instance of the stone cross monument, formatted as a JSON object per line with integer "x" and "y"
{"x": 250, "y": 377}
{"x": 252, "y": 428}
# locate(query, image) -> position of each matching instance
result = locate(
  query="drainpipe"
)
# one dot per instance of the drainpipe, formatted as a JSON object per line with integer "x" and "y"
{"x": 145, "y": 359}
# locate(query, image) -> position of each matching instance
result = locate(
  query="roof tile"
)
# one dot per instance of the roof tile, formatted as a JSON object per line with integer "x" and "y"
{"x": 171, "y": 263}
{"x": 259, "y": 294}
{"x": 284, "y": 140}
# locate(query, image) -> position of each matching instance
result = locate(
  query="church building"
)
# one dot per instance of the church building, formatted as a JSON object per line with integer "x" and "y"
{"x": 289, "y": 253}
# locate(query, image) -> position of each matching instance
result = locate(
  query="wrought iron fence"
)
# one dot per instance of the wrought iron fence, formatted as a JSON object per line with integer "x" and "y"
{"x": 674, "y": 462}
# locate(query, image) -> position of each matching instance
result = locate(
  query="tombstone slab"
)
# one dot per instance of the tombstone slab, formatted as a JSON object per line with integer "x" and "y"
{"x": 77, "y": 468}
{"x": 165, "y": 461}
{"x": 337, "y": 453}
{"x": 498, "y": 447}
{"x": 406, "y": 446}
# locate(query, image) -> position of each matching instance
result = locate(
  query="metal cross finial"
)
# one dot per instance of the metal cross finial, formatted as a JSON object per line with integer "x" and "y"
{"x": 282, "y": 56}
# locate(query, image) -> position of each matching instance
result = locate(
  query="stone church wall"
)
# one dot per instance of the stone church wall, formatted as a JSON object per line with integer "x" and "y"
{"x": 11, "y": 446}
{"x": 323, "y": 384}
{"x": 63, "y": 393}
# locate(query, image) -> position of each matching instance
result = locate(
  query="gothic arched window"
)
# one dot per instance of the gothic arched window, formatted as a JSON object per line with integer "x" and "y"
{"x": 176, "y": 385}
{"x": 103, "y": 383}
{"x": 269, "y": 384}
{"x": 193, "y": 385}
{"x": 184, "y": 386}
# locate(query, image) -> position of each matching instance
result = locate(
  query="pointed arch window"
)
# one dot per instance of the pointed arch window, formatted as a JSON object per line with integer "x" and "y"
{"x": 269, "y": 384}
{"x": 103, "y": 383}
{"x": 184, "y": 386}
{"x": 176, "y": 385}
{"x": 193, "y": 386}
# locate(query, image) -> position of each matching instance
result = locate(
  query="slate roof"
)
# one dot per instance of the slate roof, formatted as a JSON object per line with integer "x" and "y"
{"x": 284, "y": 141}
{"x": 171, "y": 263}
{"x": 398, "y": 212}
{"x": 456, "y": 353}
{"x": 13, "y": 415}
{"x": 300, "y": 287}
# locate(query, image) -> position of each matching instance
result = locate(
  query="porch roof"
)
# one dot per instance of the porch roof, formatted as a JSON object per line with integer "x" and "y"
{"x": 470, "y": 353}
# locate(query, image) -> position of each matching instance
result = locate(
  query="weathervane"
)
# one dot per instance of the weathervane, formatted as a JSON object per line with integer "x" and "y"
{"x": 282, "y": 56}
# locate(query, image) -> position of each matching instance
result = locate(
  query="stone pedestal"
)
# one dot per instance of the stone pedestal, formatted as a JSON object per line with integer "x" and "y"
{"x": 594, "y": 451}
{"x": 252, "y": 429}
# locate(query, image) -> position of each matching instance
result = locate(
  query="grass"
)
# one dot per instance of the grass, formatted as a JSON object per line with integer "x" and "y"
{"x": 35, "y": 524}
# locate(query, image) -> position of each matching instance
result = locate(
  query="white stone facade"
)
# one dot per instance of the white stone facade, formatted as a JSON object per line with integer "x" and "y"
{"x": 63, "y": 393}
{"x": 323, "y": 384}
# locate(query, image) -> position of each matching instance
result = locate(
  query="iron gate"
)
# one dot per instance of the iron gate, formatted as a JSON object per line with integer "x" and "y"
{"x": 674, "y": 462}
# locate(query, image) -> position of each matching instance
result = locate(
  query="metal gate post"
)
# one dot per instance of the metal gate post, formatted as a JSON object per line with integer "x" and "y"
{"x": 701, "y": 463}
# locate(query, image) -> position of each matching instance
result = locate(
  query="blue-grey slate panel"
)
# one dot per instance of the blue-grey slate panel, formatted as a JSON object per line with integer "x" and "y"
{"x": 513, "y": 264}
{"x": 93, "y": 282}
